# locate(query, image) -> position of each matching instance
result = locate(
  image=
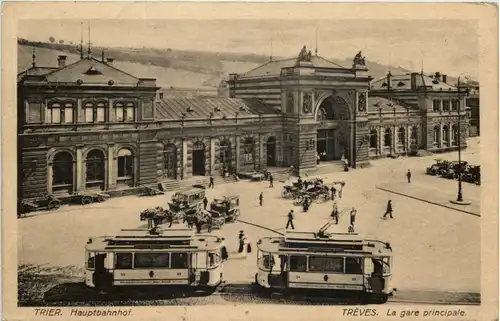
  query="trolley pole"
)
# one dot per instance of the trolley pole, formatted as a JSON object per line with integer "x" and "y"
{"x": 459, "y": 194}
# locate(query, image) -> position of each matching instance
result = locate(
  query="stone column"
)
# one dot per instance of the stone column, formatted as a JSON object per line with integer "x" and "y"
{"x": 380, "y": 140}
{"x": 261, "y": 151}
{"x": 238, "y": 143}
{"x": 112, "y": 170}
{"x": 212, "y": 154}
{"x": 49, "y": 177}
{"x": 394, "y": 139}
{"x": 110, "y": 110}
{"x": 450, "y": 135}
{"x": 80, "y": 170}
{"x": 184, "y": 158}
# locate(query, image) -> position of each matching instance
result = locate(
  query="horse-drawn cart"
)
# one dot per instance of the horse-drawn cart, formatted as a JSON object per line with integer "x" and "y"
{"x": 186, "y": 203}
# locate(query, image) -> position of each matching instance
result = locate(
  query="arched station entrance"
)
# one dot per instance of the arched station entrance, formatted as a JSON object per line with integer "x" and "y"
{"x": 198, "y": 159}
{"x": 333, "y": 141}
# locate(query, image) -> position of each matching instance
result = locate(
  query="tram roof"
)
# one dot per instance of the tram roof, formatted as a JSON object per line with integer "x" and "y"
{"x": 311, "y": 243}
{"x": 175, "y": 239}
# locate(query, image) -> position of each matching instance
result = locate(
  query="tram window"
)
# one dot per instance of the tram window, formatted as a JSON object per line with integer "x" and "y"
{"x": 90, "y": 261}
{"x": 353, "y": 265}
{"x": 326, "y": 264}
{"x": 123, "y": 261}
{"x": 179, "y": 261}
{"x": 151, "y": 260}
{"x": 298, "y": 263}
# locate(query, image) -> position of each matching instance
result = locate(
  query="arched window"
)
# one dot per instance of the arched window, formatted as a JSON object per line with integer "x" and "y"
{"x": 68, "y": 112}
{"x": 125, "y": 163}
{"x": 446, "y": 134}
{"x": 101, "y": 112}
{"x": 373, "y": 138}
{"x": 89, "y": 112}
{"x": 124, "y": 112}
{"x": 129, "y": 112}
{"x": 55, "y": 112}
{"x": 436, "y": 135}
{"x": 119, "y": 112}
{"x": 414, "y": 135}
{"x": 95, "y": 166}
{"x": 454, "y": 135}
{"x": 387, "y": 137}
{"x": 401, "y": 136}
{"x": 248, "y": 151}
{"x": 62, "y": 169}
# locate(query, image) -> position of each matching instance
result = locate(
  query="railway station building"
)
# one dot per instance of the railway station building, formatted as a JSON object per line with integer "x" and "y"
{"x": 90, "y": 126}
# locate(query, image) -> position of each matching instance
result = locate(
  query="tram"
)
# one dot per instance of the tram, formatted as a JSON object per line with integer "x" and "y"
{"x": 332, "y": 262}
{"x": 142, "y": 257}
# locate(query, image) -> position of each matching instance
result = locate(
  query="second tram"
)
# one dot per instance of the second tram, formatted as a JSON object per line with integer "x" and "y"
{"x": 141, "y": 257}
{"x": 340, "y": 262}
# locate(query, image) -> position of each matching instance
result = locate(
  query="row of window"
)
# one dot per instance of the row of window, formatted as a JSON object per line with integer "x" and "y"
{"x": 444, "y": 105}
{"x": 94, "y": 112}
{"x": 387, "y": 141}
{"x": 444, "y": 135}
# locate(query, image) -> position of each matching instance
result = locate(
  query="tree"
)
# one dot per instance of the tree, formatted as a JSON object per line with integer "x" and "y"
{"x": 61, "y": 41}
{"x": 52, "y": 39}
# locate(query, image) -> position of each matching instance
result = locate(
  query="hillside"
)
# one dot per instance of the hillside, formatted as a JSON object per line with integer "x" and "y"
{"x": 171, "y": 68}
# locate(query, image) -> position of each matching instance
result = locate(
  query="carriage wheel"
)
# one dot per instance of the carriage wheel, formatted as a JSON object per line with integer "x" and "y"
{"x": 86, "y": 200}
{"x": 53, "y": 205}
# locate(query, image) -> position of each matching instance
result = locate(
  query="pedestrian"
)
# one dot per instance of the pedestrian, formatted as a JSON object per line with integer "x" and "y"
{"x": 389, "y": 209}
{"x": 353, "y": 215}
{"x": 408, "y": 176}
{"x": 241, "y": 241}
{"x": 342, "y": 184}
{"x": 318, "y": 159}
{"x": 334, "y": 192}
{"x": 170, "y": 218}
{"x": 197, "y": 223}
{"x": 261, "y": 198}
{"x": 211, "y": 184}
{"x": 247, "y": 248}
{"x": 271, "y": 179}
{"x": 305, "y": 204}
{"x": 290, "y": 220}
{"x": 335, "y": 212}
{"x": 205, "y": 202}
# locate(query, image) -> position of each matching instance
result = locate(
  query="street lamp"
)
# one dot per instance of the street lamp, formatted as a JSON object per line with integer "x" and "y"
{"x": 460, "y": 199}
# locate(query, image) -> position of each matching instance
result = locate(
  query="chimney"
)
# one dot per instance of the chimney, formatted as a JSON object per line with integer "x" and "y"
{"x": 445, "y": 78}
{"x": 61, "y": 61}
{"x": 160, "y": 95}
{"x": 413, "y": 80}
{"x": 109, "y": 61}
{"x": 437, "y": 76}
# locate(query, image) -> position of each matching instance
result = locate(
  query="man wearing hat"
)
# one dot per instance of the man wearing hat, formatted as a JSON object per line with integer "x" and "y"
{"x": 290, "y": 220}
{"x": 241, "y": 237}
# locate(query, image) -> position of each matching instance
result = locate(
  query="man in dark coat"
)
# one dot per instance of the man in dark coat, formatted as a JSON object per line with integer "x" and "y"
{"x": 261, "y": 198}
{"x": 408, "y": 176}
{"x": 205, "y": 202}
{"x": 211, "y": 184}
{"x": 290, "y": 220}
{"x": 389, "y": 209}
{"x": 271, "y": 180}
{"x": 241, "y": 241}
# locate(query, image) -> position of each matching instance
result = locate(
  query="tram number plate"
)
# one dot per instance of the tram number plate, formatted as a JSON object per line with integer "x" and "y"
{"x": 327, "y": 286}
{"x": 151, "y": 282}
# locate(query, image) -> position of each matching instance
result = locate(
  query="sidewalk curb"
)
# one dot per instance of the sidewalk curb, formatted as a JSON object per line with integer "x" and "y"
{"x": 427, "y": 201}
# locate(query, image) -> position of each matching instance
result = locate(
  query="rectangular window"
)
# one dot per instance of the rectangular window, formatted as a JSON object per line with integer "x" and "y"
{"x": 123, "y": 261}
{"x": 34, "y": 113}
{"x": 353, "y": 265}
{"x": 89, "y": 115}
{"x": 130, "y": 113}
{"x": 436, "y": 105}
{"x": 298, "y": 263}
{"x": 326, "y": 264}
{"x": 148, "y": 109}
{"x": 119, "y": 113}
{"x": 101, "y": 114}
{"x": 68, "y": 115}
{"x": 179, "y": 261}
{"x": 446, "y": 105}
{"x": 55, "y": 115}
{"x": 454, "y": 105}
{"x": 151, "y": 260}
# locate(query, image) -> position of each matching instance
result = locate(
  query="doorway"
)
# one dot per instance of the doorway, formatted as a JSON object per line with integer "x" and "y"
{"x": 271, "y": 152}
{"x": 198, "y": 159}
{"x": 326, "y": 145}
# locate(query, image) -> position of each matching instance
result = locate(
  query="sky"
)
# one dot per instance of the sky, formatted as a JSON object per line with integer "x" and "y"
{"x": 448, "y": 46}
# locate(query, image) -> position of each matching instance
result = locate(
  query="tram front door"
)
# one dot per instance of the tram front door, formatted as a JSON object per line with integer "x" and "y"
{"x": 103, "y": 279}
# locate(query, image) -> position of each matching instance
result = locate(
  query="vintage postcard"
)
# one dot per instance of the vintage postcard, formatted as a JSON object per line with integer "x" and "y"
{"x": 250, "y": 161}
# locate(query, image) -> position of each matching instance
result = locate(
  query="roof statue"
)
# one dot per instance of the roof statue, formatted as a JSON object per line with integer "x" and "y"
{"x": 304, "y": 55}
{"x": 359, "y": 59}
